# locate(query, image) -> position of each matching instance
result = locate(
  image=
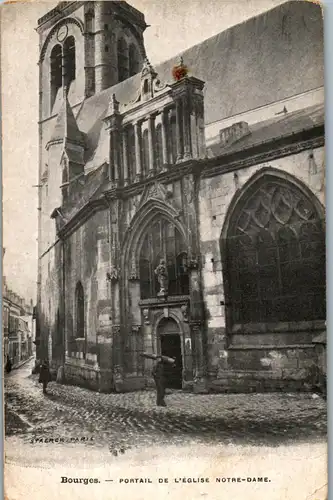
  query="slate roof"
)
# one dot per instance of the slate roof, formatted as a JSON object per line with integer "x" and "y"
{"x": 275, "y": 128}
{"x": 73, "y": 155}
{"x": 66, "y": 126}
{"x": 84, "y": 191}
{"x": 270, "y": 57}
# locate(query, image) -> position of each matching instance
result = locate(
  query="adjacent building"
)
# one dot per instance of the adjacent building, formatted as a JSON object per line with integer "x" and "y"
{"x": 182, "y": 206}
{"x": 17, "y": 326}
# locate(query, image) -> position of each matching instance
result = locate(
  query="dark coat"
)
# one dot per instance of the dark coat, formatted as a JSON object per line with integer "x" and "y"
{"x": 44, "y": 374}
{"x": 158, "y": 372}
{"x": 8, "y": 365}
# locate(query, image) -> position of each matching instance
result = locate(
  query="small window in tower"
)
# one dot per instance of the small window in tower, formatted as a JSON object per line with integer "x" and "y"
{"x": 56, "y": 72}
{"x": 69, "y": 60}
{"x": 133, "y": 60}
{"x": 106, "y": 27}
{"x": 145, "y": 87}
{"x": 106, "y": 48}
{"x": 89, "y": 18}
{"x": 122, "y": 51}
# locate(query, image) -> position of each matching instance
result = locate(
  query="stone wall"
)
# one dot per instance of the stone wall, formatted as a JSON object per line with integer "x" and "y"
{"x": 50, "y": 318}
{"x": 79, "y": 372}
{"x": 86, "y": 262}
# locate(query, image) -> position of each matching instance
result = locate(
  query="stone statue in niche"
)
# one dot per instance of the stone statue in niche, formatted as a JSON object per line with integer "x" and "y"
{"x": 134, "y": 275}
{"x": 113, "y": 275}
{"x": 118, "y": 375}
{"x": 184, "y": 310}
{"x": 145, "y": 313}
{"x": 193, "y": 263}
{"x": 162, "y": 276}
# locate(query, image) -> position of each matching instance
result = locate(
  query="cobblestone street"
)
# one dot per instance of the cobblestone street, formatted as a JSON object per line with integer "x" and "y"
{"x": 132, "y": 419}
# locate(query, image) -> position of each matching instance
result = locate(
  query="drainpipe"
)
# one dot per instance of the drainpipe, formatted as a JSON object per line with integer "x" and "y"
{"x": 63, "y": 305}
{"x": 61, "y": 369}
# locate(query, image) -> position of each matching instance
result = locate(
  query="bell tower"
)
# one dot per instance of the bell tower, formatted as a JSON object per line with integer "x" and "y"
{"x": 87, "y": 47}
{"x": 84, "y": 48}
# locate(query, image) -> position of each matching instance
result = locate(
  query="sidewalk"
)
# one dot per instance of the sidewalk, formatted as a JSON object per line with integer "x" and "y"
{"x": 21, "y": 363}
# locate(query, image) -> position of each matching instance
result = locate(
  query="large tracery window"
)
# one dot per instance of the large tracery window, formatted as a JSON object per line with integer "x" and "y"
{"x": 163, "y": 241}
{"x": 275, "y": 257}
{"x": 56, "y": 72}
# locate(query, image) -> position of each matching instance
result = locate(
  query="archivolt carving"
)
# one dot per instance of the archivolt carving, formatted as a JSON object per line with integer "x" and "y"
{"x": 277, "y": 200}
{"x": 156, "y": 190}
{"x": 70, "y": 20}
{"x": 142, "y": 219}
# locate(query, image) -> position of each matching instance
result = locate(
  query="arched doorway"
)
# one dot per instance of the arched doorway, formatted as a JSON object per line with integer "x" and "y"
{"x": 273, "y": 253}
{"x": 170, "y": 345}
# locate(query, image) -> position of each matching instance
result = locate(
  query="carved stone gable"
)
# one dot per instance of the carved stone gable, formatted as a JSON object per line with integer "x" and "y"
{"x": 154, "y": 191}
{"x": 150, "y": 85}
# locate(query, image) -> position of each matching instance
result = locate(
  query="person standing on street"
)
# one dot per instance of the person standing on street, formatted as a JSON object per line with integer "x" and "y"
{"x": 159, "y": 378}
{"x": 8, "y": 366}
{"x": 44, "y": 374}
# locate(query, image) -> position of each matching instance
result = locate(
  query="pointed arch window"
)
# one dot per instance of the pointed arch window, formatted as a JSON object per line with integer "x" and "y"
{"x": 163, "y": 241}
{"x": 79, "y": 311}
{"x": 89, "y": 21}
{"x": 56, "y": 72}
{"x": 133, "y": 60}
{"x": 122, "y": 55}
{"x": 69, "y": 60}
{"x": 146, "y": 86}
{"x": 275, "y": 257}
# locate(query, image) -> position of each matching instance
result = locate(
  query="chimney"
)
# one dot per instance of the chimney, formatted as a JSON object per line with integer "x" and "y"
{"x": 233, "y": 133}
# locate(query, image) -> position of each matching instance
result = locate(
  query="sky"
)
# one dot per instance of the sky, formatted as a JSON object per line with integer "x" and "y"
{"x": 175, "y": 25}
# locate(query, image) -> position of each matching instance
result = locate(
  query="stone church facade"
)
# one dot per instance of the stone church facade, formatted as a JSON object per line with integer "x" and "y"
{"x": 182, "y": 216}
